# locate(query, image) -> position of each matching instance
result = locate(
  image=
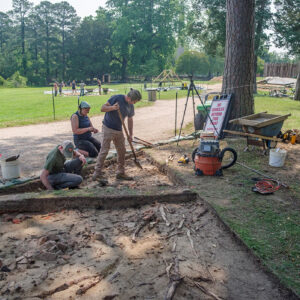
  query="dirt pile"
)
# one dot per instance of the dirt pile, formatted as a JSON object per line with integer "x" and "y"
{"x": 146, "y": 178}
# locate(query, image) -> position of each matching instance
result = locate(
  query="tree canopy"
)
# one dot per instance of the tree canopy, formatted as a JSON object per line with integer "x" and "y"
{"x": 47, "y": 41}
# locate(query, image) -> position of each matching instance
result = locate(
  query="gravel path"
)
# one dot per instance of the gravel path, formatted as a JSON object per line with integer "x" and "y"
{"x": 34, "y": 142}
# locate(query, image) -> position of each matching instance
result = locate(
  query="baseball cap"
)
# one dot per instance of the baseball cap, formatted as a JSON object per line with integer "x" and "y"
{"x": 68, "y": 148}
{"x": 134, "y": 95}
{"x": 84, "y": 104}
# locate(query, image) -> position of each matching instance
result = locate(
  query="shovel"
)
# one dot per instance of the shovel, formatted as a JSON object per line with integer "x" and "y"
{"x": 137, "y": 163}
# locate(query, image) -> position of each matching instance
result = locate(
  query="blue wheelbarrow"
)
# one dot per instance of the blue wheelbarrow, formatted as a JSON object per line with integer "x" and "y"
{"x": 261, "y": 129}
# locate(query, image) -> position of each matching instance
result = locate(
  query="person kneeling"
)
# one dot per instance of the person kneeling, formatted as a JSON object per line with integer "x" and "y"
{"x": 83, "y": 128}
{"x": 59, "y": 173}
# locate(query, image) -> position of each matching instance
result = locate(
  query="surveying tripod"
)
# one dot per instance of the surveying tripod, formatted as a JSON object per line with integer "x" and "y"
{"x": 191, "y": 90}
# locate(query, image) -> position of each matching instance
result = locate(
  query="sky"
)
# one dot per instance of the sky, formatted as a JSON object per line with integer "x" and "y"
{"x": 83, "y": 7}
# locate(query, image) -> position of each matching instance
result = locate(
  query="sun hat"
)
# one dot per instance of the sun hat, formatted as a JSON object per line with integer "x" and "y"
{"x": 84, "y": 104}
{"x": 68, "y": 148}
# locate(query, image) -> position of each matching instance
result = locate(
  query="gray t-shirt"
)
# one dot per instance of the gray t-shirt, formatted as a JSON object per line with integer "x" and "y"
{"x": 111, "y": 118}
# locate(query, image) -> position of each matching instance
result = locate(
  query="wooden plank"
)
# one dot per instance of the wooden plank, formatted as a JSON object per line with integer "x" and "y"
{"x": 253, "y": 135}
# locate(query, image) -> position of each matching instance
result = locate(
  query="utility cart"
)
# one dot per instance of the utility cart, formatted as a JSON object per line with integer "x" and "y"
{"x": 260, "y": 129}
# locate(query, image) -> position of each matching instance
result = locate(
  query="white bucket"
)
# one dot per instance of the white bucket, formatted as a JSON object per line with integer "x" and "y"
{"x": 277, "y": 157}
{"x": 10, "y": 169}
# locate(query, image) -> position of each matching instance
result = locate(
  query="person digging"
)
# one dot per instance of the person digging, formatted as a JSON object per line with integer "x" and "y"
{"x": 59, "y": 173}
{"x": 112, "y": 131}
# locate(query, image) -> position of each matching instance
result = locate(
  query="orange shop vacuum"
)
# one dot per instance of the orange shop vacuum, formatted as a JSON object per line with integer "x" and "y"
{"x": 208, "y": 157}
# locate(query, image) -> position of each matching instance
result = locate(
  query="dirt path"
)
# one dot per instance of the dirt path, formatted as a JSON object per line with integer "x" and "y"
{"x": 34, "y": 142}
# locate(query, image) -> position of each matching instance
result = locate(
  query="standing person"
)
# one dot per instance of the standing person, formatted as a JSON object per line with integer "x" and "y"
{"x": 60, "y": 86}
{"x": 82, "y": 128}
{"x": 59, "y": 174}
{"x": 99, "y": 85}
{"x": 73, "y": 87}
{"x": 55, "y": 88}
{"x": 82, "y": 85}
{"x": 112, "y": 131}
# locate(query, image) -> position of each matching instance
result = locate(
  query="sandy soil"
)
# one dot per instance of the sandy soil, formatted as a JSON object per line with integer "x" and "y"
{"x": 91, "y": 254}
{"x": 144, "y": 179}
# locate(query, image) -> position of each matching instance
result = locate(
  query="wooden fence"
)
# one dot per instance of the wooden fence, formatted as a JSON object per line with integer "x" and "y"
{"x": 281, "y": 70}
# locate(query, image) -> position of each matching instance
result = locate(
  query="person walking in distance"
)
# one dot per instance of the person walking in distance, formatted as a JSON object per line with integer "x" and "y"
{"x": 112, "y": 131}
{"x": 82, "y": 85}
{"x": 60, "y": 87}
{"x": 99, "y": 85}
{"x": 73, "y": 87}
{"x": 55, "y": 89}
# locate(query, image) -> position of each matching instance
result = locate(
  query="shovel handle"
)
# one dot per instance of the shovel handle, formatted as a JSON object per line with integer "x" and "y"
{"x": 127, "y": 134}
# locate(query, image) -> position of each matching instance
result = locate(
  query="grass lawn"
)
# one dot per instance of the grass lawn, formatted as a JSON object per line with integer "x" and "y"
{"x": 281, "y": 106}
{"x": 24, "y": 106}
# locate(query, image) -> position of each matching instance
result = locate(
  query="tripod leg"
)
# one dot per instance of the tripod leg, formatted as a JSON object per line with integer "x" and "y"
{"x": 193, "y": 105}
{"x": 176, "y": 113}
{"x": 187, "y": 98}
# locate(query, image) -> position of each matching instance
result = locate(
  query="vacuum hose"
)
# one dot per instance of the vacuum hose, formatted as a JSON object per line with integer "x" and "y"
{"x": 231, "y": 163}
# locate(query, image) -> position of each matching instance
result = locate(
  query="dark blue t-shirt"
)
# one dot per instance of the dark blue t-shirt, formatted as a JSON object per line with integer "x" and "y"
{"x": 111, "y": 118}
{"x": 83, "y": 122}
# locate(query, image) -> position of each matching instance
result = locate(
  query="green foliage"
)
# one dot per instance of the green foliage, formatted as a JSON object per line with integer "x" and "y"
{"x": 144, "y": 34}
{"x": 260, "y": 66}
{"x": 16, "y": 81}
{"x": 287, "y": 25}
{"x": 2, "y": 81}
{"x": 49, "y": 42}
{"x": 192, "y": 63}
{"x": 89, "y": 53}
{"x": 207, "y": 24}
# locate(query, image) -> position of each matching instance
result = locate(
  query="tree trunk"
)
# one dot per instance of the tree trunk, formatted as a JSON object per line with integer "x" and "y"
{"x": 254, "y": 75}
{"x": 24, "y": 60}
{"x": 261, "y": 6}
{"x": 63, "y": 55}
{"x": 239, "y": 56}
{"x": 47, "y": 54}
{"x": 297, "y": 90}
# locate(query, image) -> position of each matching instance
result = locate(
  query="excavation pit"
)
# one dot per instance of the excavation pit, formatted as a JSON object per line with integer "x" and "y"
{"x": 125, "y": 242}
{"x": 150, "y": 178}
{"x": 128, "y": 253}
